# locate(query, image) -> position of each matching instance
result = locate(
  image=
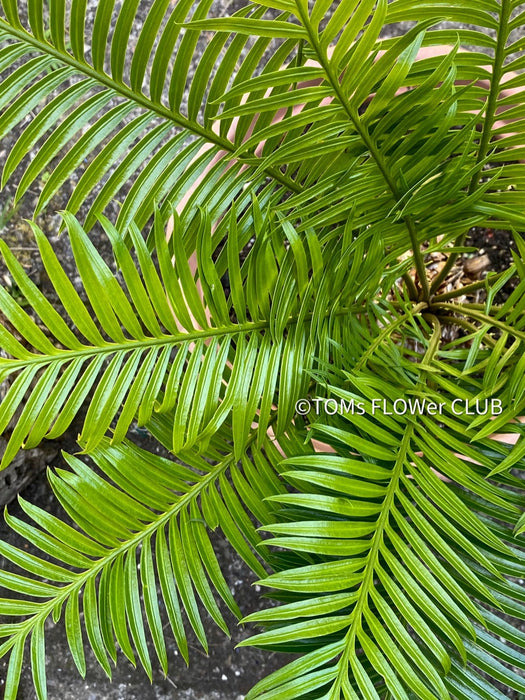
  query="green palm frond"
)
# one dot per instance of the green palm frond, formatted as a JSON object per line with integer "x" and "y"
{"x": 155, "y": 343}
{"x": 362, "y": 127}
{"x": 117, "y": 114}
{"x": 141, "y": 511}
{"x": 405, "y": 570}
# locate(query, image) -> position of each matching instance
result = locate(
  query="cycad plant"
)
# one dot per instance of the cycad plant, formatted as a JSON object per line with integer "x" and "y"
{"x": 310, "y": 173}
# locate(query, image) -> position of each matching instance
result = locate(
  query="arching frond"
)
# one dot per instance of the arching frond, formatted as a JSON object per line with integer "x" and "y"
{"x": 407, "y": 547}
{"x": 141, "y": 512}
{"x": 114, "y": 113}
{"x": 170, "y": 341}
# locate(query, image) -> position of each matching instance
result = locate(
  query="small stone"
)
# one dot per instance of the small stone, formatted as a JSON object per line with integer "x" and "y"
{"x": 474, "y": 267}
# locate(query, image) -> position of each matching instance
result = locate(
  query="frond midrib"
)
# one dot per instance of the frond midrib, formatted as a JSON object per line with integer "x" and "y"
{"x": 368, "y": 574}
{"x": 140, "y": 99}
{"x": 371, "y": 146}
{"x": 133, "y": 344}
{"x": 173, "y": 339}
{"x": 467, "y": 310}
{"x": 495, "y": 89}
